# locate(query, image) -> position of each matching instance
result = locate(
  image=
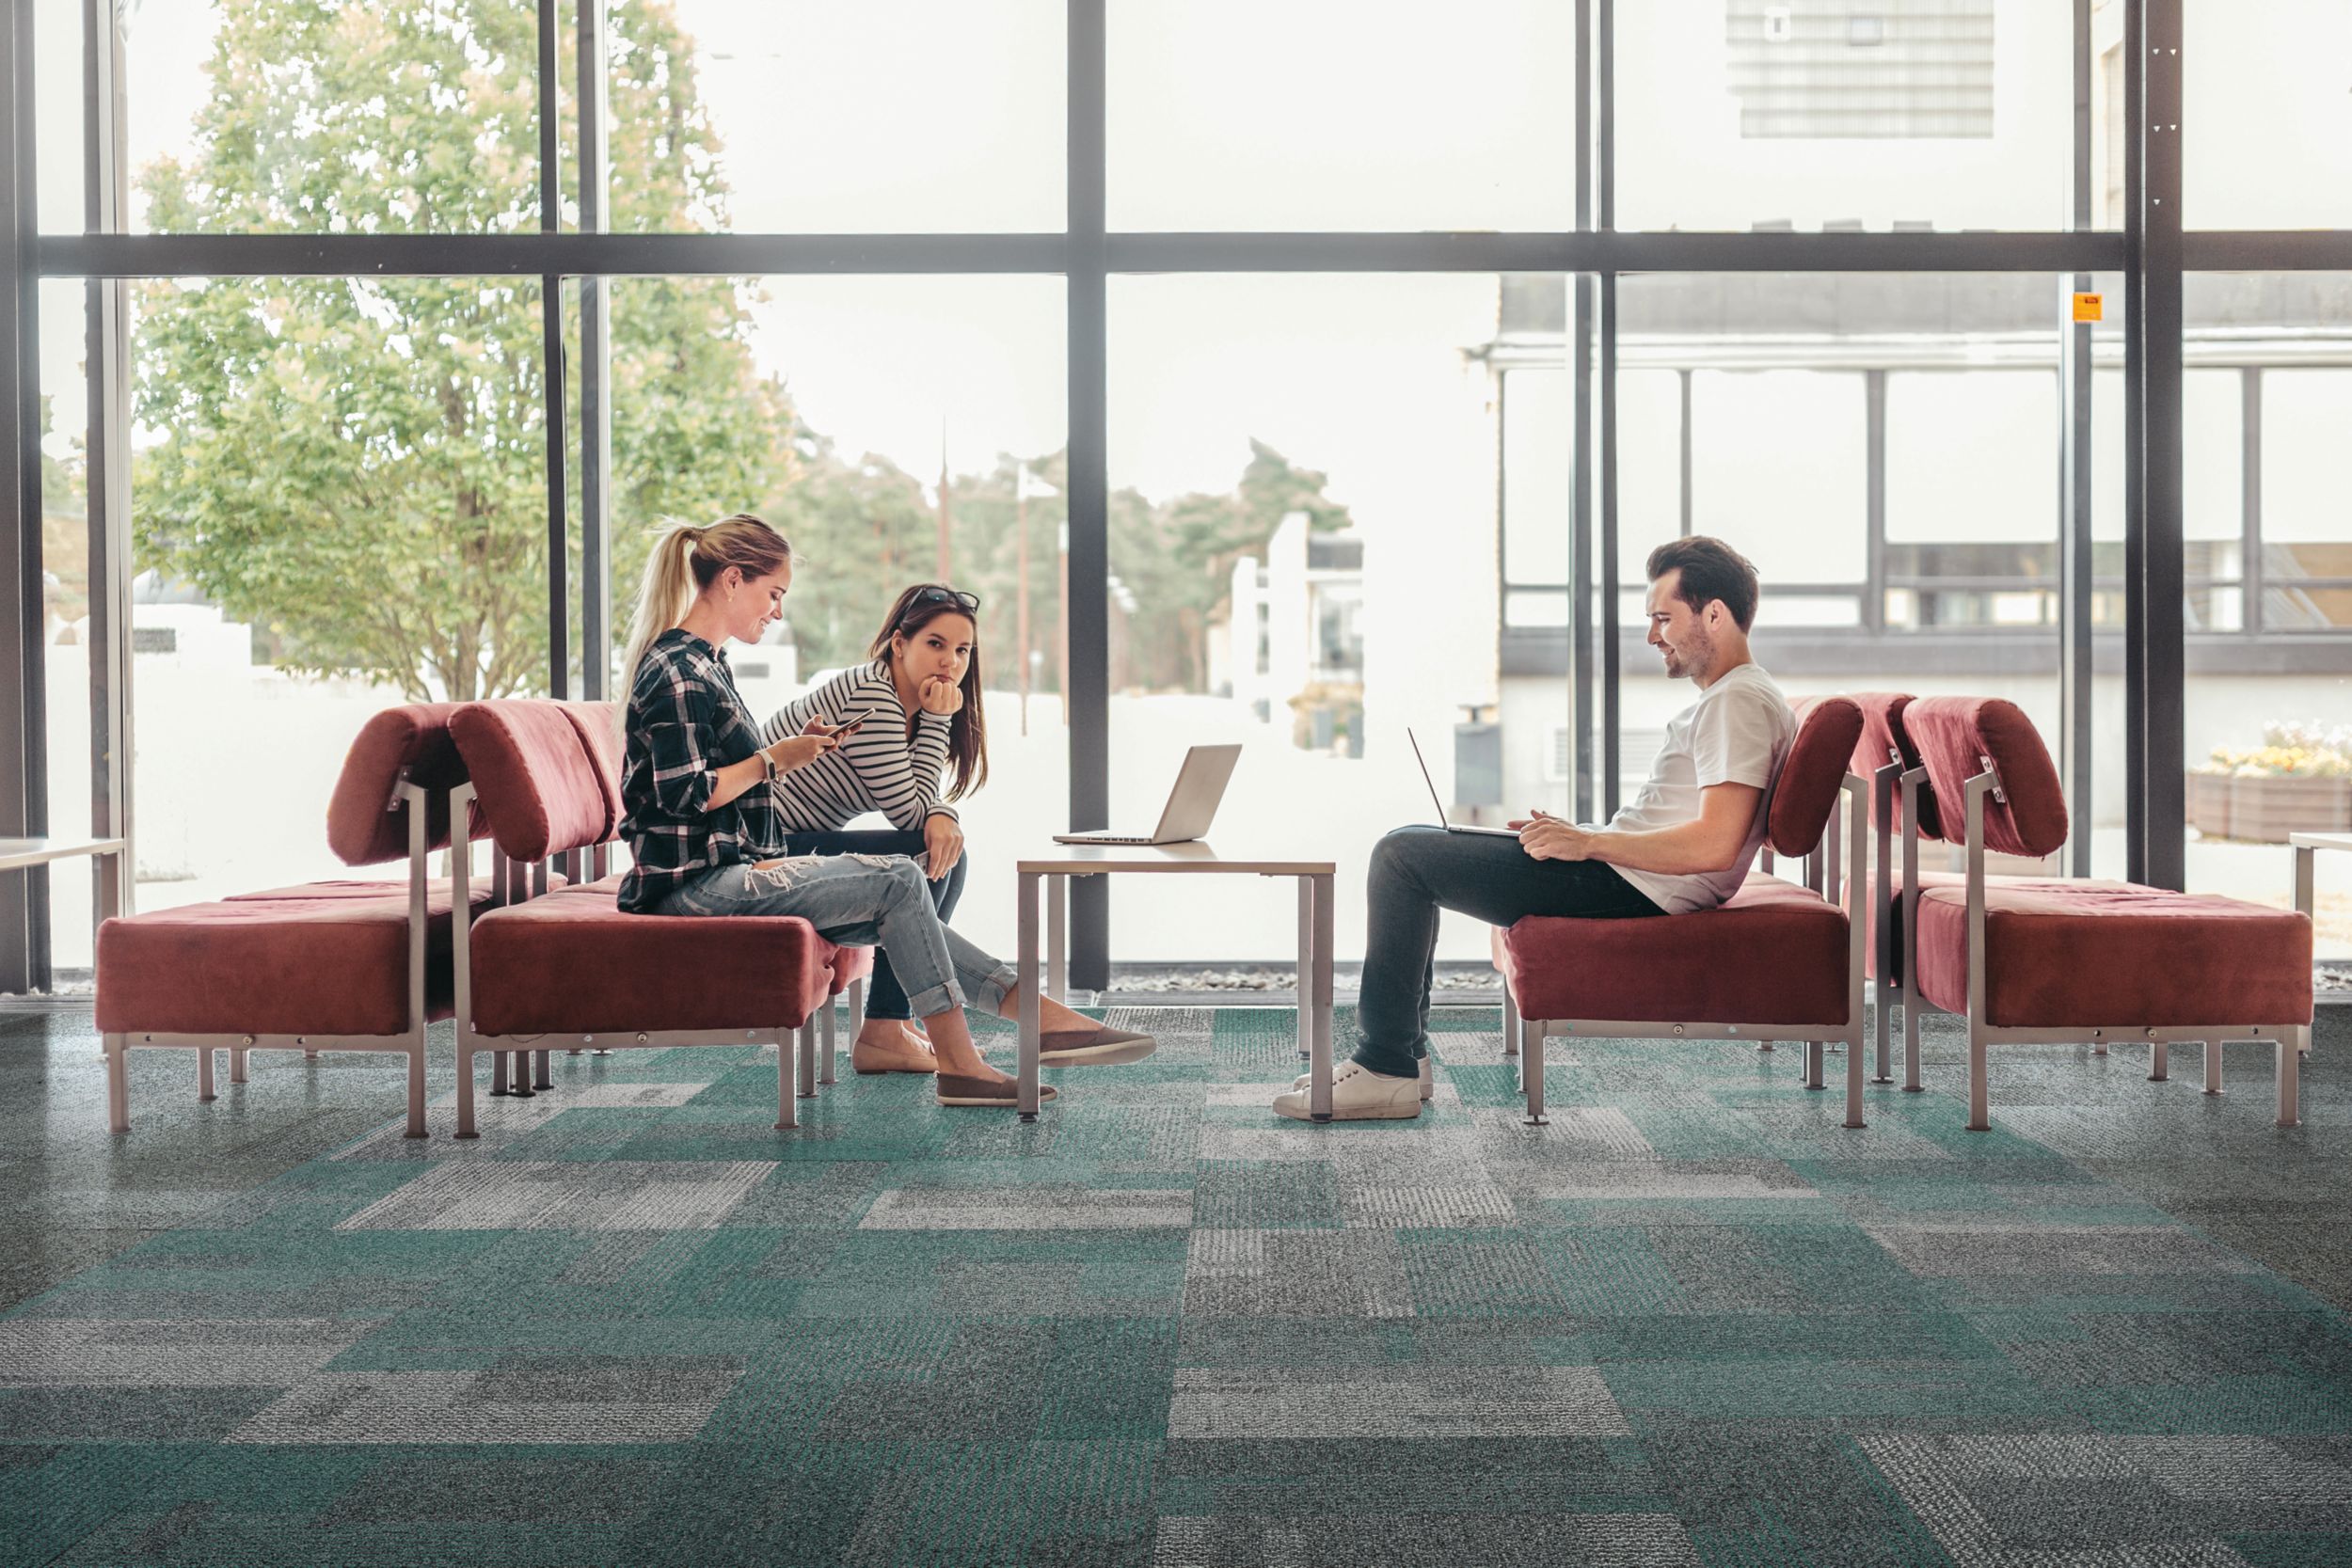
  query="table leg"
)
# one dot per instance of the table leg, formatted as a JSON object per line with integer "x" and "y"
{"x": 2305, "y": 857}
{"x": 1057, "y": 938}
{"x": 1032, "y": 1012}
{"x": 1305, "y": 967}
{"x": 1319, "y": 1093}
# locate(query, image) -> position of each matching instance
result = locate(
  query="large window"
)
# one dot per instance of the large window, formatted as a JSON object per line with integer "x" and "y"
{"x": 1910, "y": 114}
{"x": 813, "y": 116}
{"x": 2268, "y": 731}
{"x": 897, "y": 429}
{"x": 1303, "y": 561}
{"x": 1325, "y": 360}
{"x": 339, "y": 504}
{"x": 1377, "y": 113}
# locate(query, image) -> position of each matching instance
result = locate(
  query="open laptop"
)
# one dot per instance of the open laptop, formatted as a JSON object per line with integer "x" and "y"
{"x": 1449, "y": 827}
{"x": 1191, "y": 805}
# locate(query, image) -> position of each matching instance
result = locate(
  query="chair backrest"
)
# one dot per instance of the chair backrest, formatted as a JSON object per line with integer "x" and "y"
{"x": 542, "y": 785}
{"x": 1883, "y": 741}
{"x": 1805, "y": 793}
{"x": 1959, "y": 737}
{"x": 364, "y": 824}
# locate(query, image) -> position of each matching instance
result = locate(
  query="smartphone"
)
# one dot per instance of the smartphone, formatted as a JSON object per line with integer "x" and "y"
{"x": 850, "y": 720}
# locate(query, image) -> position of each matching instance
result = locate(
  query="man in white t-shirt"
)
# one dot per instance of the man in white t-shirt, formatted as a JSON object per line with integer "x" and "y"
{"x": 1683, "y": 843}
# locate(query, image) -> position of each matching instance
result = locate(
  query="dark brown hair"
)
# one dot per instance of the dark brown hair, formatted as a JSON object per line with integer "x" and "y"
{"x": 967, "y": 731}
{"x": 1710, "y": 570}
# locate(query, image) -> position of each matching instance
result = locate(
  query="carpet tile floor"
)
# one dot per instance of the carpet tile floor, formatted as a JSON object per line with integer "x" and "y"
{"x": 1694, "y": 1321}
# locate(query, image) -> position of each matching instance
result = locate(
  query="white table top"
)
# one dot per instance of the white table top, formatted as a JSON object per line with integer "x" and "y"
{"x": 17, "y": 853}
{"x": 1197, "y": 857}
{"x": 2320, "y": 841}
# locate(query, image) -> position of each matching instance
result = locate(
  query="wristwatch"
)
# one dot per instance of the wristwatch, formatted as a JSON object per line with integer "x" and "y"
{"x": 768, "y": 763}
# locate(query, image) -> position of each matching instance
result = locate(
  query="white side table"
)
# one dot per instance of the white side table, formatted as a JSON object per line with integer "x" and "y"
{"x": 2307, "y": 848}
{"x": 1058, "y": 862}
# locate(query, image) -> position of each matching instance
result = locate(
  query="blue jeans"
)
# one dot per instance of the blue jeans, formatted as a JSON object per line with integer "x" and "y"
{"x": 1417, "y": 871}
{"x": 860, "y": 901}
{"x": 886, "y": 998}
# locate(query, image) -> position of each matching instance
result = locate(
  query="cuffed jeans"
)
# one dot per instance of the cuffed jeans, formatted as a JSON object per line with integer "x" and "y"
{"x": 861, "y": 901}
{"x": 1417, "y": 871}
{"x": 886, "y": 998}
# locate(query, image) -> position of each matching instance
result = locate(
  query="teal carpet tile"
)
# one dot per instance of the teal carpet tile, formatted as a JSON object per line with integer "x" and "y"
{"x": 1692, "y": 1322}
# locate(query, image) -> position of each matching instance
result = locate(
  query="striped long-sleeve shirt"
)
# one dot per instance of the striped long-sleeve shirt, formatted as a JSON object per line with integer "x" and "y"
{"x": 878, "y": 768}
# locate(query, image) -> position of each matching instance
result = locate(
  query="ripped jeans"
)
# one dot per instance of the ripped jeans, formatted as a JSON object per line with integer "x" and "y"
{"x": 861, "y": 901}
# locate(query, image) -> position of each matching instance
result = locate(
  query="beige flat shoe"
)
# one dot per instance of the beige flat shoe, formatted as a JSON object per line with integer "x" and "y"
{"x": 872, "y": 1061}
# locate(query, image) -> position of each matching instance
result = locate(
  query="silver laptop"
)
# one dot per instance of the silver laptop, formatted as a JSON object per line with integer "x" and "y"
{"x": 1191, "y": 805}
{"x": 1449, "y": 827}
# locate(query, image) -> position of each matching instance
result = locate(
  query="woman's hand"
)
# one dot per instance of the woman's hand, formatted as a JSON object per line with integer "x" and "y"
{"x": 943, "y": 843}
{"x": 1546, "y": 837}
{"x": 799, "y": 751}
{"x": 940, "y": 695}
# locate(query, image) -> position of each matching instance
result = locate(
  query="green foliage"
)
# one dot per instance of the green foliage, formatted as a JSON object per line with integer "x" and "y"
{"x": 359, "y": 465}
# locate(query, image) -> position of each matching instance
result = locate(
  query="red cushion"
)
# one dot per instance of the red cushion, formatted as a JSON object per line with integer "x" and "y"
{"x": 330, "y": 958}
{"x": 1949, "y": 879}
{"x": 1959, "y": 737}
{"x": 851, "y": 963}
{"x": 598, "y": 726}
{"x": 2061, "y": 954}
{"x": 1886, "y": 740}
{"x": 540, "y": 787}
{"x": 361, "y": 825}
{"x": 572, "y": 963}
{"x": 1805, "y": 792}
{"x": 1773, "y": 954}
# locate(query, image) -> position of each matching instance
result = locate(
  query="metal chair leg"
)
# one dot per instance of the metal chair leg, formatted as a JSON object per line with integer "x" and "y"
{"x": 2213, "y": 1066}
{"x": 2159, "y": 1062}
{"x": 1532, "y": 1051}
{"x": 787, "y": 1116}
{"x": 117, "y": 1049}
{"x": 833, "y": 1048}
{"x": 539, "y": 1079}
{"x": 205, "y": 1074}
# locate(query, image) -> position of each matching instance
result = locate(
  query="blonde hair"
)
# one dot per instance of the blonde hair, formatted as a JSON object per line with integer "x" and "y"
{"x": 685, "y": 561}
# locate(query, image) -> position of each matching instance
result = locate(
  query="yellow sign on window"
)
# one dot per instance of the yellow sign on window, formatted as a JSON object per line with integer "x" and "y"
{"x": 2090, "y": 308}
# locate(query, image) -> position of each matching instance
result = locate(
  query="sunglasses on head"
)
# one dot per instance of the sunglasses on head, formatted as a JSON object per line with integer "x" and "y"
{"x": 936, "y": 594}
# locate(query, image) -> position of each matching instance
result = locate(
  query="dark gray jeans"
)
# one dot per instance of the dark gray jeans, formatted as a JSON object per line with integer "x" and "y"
{"x": 1416, "y": 872}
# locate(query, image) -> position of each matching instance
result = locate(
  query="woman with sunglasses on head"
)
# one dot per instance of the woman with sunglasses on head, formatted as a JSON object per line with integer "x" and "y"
{"x": 705, "y": 833}
{"x": 913, "y": 739}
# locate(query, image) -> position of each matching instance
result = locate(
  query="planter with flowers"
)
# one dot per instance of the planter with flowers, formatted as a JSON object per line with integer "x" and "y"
{"x": 2298, "y": 781}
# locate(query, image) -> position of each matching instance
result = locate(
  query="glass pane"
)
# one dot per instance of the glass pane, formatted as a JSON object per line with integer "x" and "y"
{"x": 1303, "y": 486}
{"x": 339, "y": 504}
{"x": 64, "y": 615}
{"x": 1944, "y": 490}
{"x": 1539, "y": 441}
{"x": 356, "y": 118}
{"x": 1779, "y": 463}
{"x": 1785, "y": 371}
{"x": 1371, "y": 114}
{"x": 2267, "y": 743}
{"x": 1917, "y": 113}
{"x": 1649, "y": 464}
{"x": 2268, "y": 121}
{"x": 57, "y": 116}
{"x": 834, "y": 407}
{"x": 806, "y": 116}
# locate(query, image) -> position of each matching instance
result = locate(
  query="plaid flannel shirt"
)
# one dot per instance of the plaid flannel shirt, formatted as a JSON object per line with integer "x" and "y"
{"x": 686, "y": 721}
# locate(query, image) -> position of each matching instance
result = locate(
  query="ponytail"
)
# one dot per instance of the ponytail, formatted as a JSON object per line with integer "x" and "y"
{"x": 685, "y": 561}
{"x": 663, "y": 598}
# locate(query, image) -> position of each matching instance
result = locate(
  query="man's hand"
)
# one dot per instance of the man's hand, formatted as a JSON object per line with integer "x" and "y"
{"x": 1546, "y": 837}
{"x": 943, "y": 843}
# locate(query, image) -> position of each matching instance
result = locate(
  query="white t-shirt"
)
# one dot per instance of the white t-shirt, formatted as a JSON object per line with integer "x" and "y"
{"x": 1738, "y": 732}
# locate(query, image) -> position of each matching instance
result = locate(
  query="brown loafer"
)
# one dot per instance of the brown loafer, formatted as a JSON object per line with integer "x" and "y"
{"x": 954, "y": 1088}
{"x": 1100, "y": 1046}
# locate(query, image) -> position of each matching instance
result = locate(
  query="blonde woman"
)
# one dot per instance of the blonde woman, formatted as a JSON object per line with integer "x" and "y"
{"x": 703, "y": 825}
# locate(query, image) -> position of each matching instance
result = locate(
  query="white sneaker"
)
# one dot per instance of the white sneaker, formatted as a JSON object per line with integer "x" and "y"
{"x": 1358, "y": 1094}
{"x": 1428, "y": 1079}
